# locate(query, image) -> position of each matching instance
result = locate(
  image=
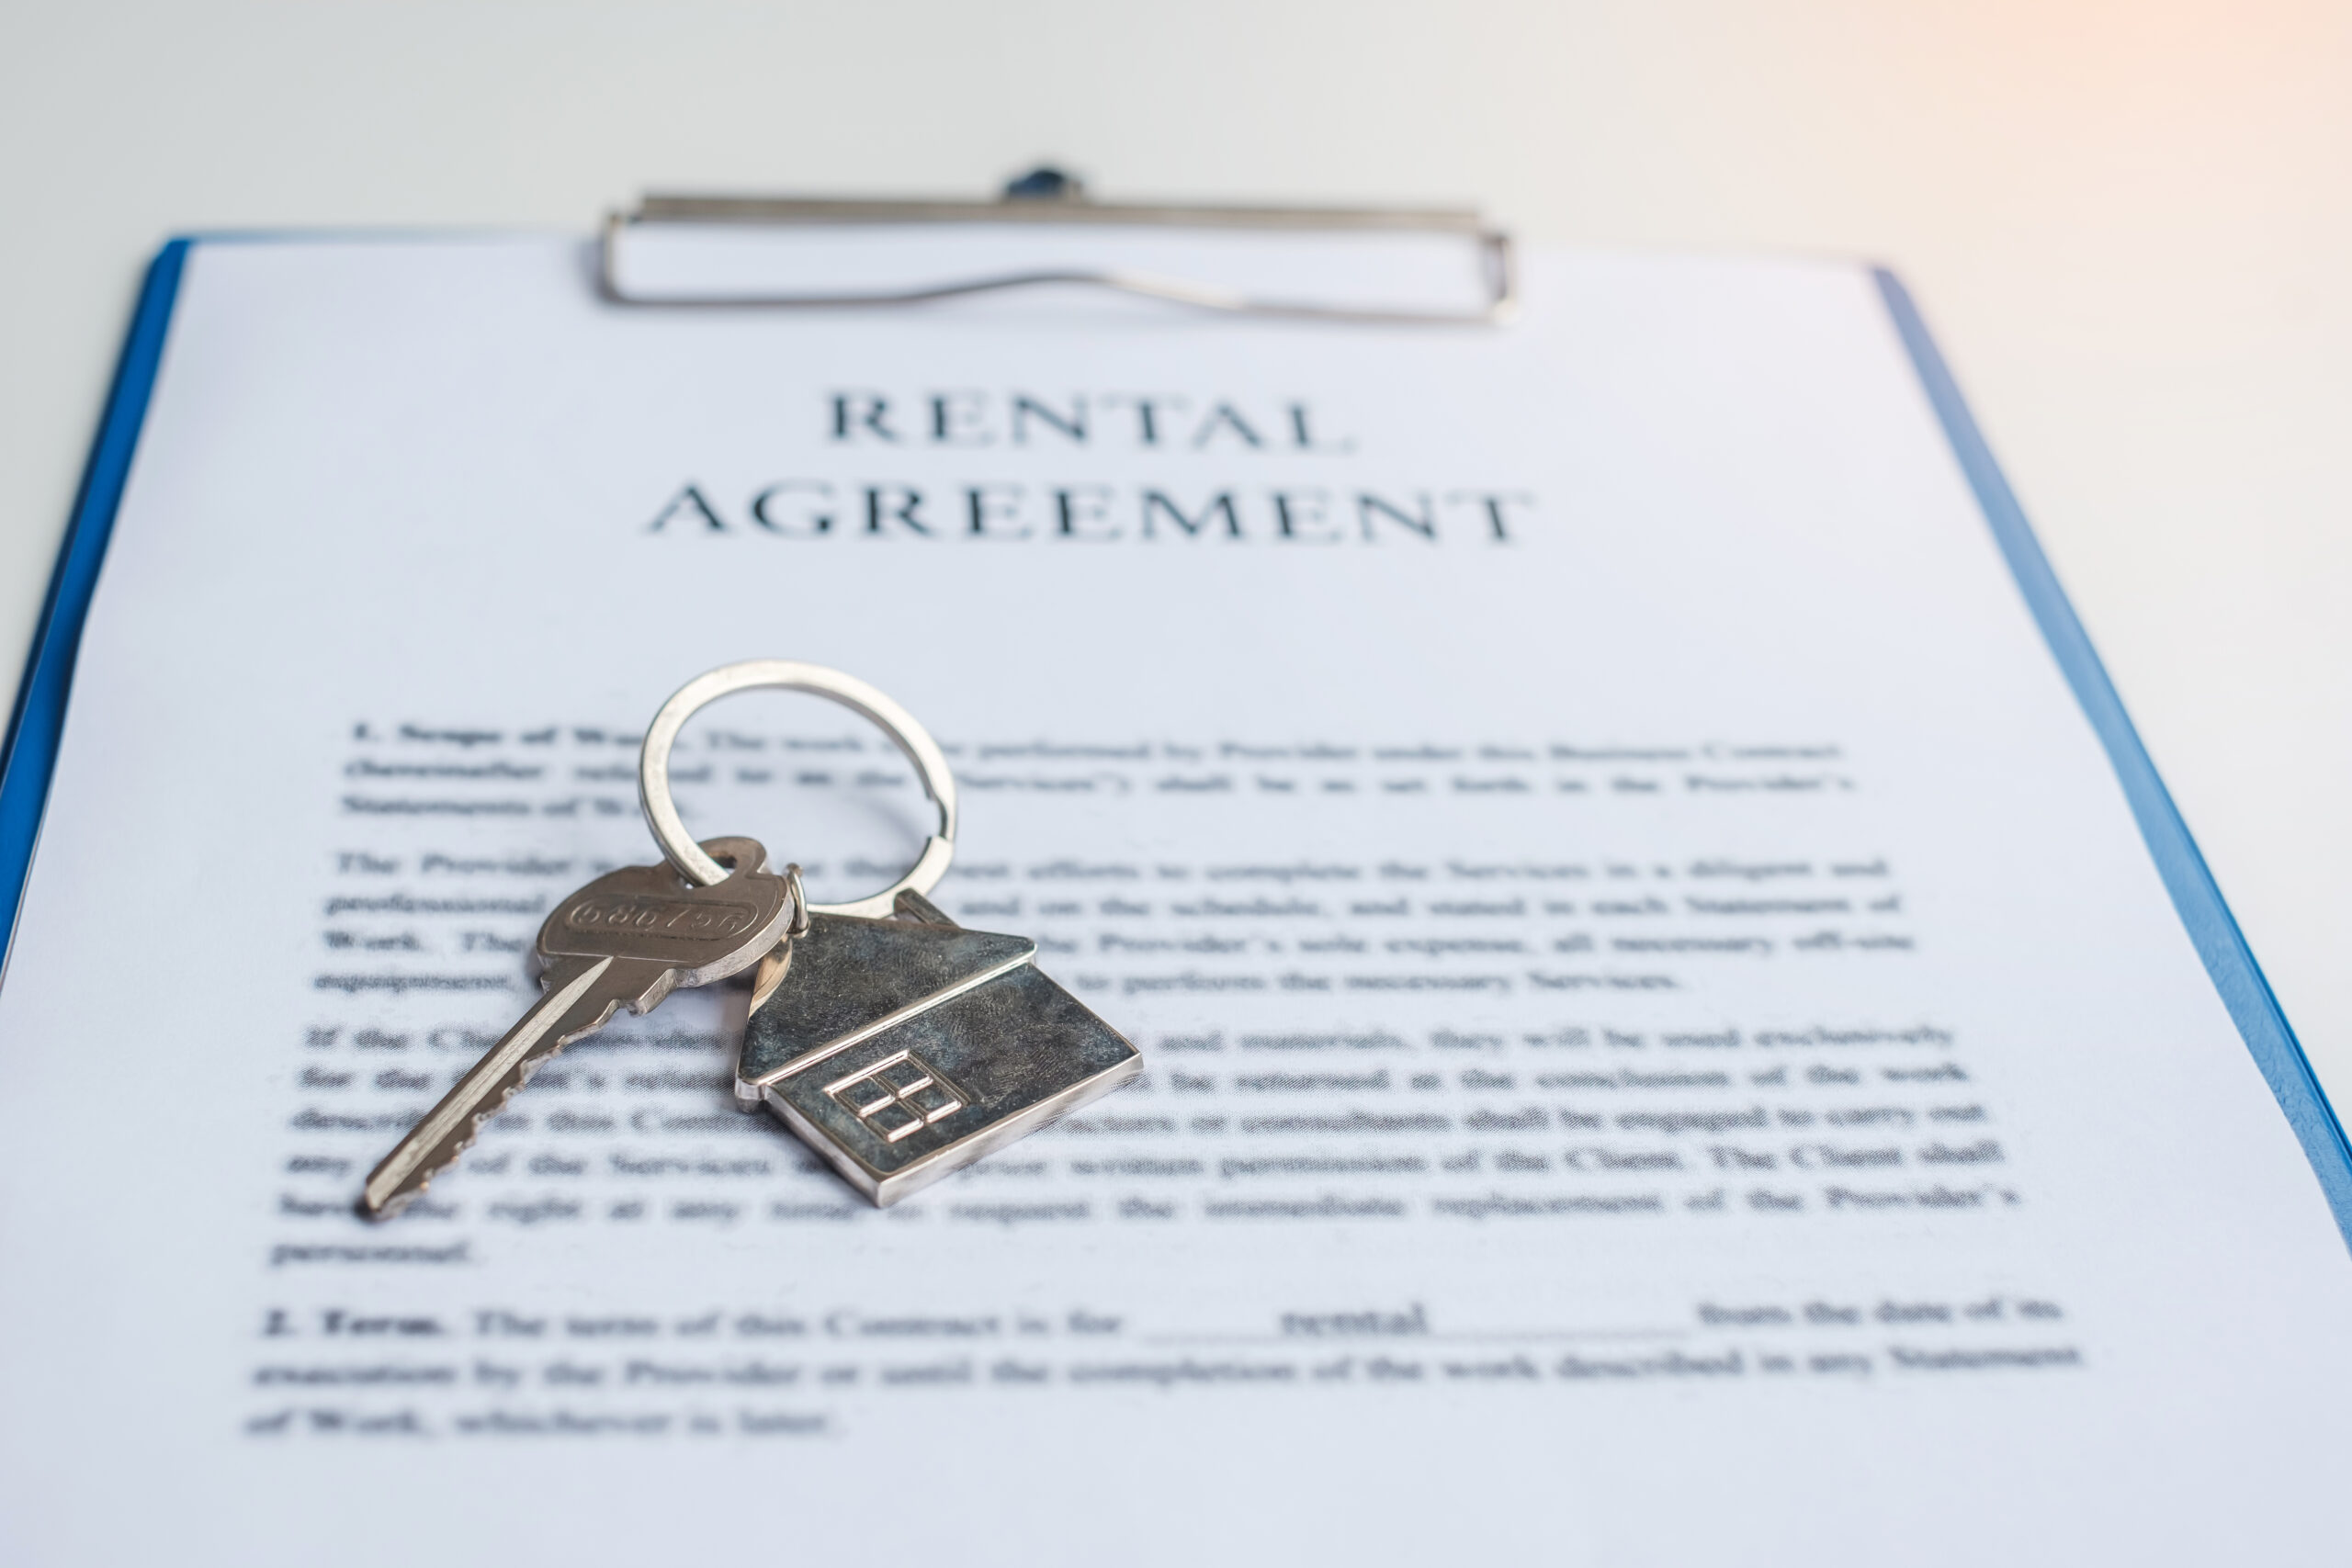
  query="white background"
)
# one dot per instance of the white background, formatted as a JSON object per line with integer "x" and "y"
{"x": 2130, "y": 224}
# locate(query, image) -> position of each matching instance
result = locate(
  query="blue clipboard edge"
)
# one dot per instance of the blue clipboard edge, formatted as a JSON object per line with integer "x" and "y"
{"x": 2197, "y": 898}
{"x": 38, "y": 719}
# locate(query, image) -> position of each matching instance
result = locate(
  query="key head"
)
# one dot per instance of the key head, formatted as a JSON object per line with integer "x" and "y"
{"x": 650, "y": 914}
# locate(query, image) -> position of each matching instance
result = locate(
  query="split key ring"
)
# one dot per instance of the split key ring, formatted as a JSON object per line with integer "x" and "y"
{"x": 678, "y": 845}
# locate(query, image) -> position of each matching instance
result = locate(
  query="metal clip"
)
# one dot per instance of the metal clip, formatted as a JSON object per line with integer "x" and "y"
{"x": 1048, "y": 197}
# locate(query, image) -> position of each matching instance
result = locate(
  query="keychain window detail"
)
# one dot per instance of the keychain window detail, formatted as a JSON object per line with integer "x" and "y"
{"x": 901, "y": 1095}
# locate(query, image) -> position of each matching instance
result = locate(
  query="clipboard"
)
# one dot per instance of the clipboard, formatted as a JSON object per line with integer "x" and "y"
{"x": 38, "y": 717}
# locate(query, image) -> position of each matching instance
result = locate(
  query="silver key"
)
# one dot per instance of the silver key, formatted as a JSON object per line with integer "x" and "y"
{"x": 630, "y": 938}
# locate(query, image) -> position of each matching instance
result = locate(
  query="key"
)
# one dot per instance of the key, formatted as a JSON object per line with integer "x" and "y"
{"x": 627, "y": 939}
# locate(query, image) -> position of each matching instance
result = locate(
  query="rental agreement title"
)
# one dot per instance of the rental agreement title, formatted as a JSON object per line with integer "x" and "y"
{"x": 1207, "y": 496}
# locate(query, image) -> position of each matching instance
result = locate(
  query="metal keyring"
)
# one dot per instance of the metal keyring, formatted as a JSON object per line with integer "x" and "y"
{"x": 788, "y": 675}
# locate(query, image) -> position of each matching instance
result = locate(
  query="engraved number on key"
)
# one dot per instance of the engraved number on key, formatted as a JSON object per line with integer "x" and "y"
{"x": 627, "y": 939}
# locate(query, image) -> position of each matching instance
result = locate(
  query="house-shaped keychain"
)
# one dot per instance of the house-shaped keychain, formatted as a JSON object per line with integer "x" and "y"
{"x": 906, "y": 1048}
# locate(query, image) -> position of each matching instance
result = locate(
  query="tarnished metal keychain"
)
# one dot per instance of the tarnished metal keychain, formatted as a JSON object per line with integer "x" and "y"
{"x": 896, "y": 1044}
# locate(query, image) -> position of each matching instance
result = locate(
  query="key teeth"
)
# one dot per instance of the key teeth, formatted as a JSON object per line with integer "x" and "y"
{"x": 467, "y": 1137}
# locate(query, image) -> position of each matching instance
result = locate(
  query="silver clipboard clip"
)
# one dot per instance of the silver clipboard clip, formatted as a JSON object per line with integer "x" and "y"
{"x": 1048, "y": 197}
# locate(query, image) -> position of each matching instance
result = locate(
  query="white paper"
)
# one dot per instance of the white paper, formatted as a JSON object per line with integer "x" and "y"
{"x": 1664, "y": 1042}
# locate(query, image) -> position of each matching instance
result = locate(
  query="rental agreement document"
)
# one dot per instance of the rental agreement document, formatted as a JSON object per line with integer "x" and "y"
{"x": 1667, "y": 1041}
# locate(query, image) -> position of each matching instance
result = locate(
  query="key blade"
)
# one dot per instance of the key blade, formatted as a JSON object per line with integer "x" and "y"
{"x": 630, "y": 937}
{"x": 581, "y": 996}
